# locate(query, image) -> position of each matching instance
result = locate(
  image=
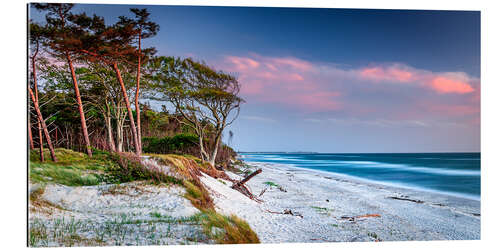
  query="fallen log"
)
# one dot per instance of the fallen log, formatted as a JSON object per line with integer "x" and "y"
{"x": 250, "y": 176}
{"x": 240, "y": 186}
{"x": 405, "y": 199}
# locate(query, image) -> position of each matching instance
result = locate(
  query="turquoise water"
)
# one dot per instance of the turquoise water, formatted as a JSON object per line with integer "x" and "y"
{"x": 451, "y": 173}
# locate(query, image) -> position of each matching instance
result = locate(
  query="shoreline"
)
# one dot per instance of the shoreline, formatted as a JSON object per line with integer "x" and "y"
{"x": 329, "y": 208}
{"x": 402, "y": 186}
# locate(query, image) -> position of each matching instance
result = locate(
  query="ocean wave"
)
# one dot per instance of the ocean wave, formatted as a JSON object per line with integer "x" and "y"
{"x": 395, "y": 184}
{"x": 403, "y": 167}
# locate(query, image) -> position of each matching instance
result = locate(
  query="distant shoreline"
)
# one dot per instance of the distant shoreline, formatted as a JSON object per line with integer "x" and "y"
{"x": 387, "y": 185}
{"x": 439, "y": 174}
{"x": 338, "y": 208}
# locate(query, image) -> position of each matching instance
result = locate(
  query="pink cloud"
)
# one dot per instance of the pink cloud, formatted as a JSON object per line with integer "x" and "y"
{"x": 386, "y": 74}
{"x": 292, "y": 62}
{"x": 281, "y": 80}
{"x": 442, "y": 83}
{"x": 446, "y": 85}
{"x": 321, "y": 87}
{"x": 242, "y": 63}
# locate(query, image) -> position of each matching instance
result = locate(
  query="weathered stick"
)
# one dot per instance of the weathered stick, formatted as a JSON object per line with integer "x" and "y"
{"x": 237, "y": 184}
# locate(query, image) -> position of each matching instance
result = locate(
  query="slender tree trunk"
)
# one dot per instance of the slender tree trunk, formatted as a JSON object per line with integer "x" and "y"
{"x": 129, "y": 110}
{"x": 80, "y": 107}
{"x": 40, "y": 141}
{"x": 35, "y": 100}
{"x": 45, "y": 130}
{"x": 30, "y": 137}
{"x": 204, "y": 155}
{"x": 137, "y": 108}
{"x": 120, "y": 120}
{"x": 111, "y": 141}
{"x": 216, "y": 149}
{"x": 119, "y": 136}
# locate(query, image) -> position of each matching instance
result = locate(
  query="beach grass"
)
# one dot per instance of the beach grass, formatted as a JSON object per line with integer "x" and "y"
{"x": 227, "y": 229}
{"x": 77, "y": 169}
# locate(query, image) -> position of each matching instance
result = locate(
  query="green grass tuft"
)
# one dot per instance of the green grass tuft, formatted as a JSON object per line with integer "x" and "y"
{"x": 227, "y": 229}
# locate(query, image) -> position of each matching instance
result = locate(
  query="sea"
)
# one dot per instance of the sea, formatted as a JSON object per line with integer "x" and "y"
{"x": 457, "y": 174}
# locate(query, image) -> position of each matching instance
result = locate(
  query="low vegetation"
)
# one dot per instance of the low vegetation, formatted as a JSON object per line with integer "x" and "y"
{"x": 227, "y": 229}
{"x": 77, "y": 169}
{"x": 177, "y": 144}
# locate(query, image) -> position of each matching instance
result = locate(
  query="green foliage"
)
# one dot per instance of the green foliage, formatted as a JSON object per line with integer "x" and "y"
{"x": 77, "y": 169}
{"x": 271, "y": 184}
{"x": 66, "y": 175}
{"x": 129, "y": 168}
{"x": 170, "y": 144}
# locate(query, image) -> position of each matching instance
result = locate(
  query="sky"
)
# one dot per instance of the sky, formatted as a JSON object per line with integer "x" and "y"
{"x": 334, "y": 80}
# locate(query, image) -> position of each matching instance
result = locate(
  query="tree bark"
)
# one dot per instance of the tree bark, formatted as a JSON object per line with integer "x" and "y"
{"x": 129, "y": 110}
{"x": 35, "y": 100}
{"x": 119, "y": 137}
{"x": 30, "y": 137}
{"x": 111, "y": 141}
{"x": 44, "y": 126}
{"x": 216, "y": 148}
{"x": 80, "y": 106}
{"x": 40, "y": 140}
{"x": 204, "y": 155}
{"x": 242, "y": 182}
{"x": 137, "y": 108}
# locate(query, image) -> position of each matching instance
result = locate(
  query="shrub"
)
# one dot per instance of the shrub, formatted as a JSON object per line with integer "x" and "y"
{"x": 185, "y": 144}
{"x": 77, "y": 169}
{"x": 178, "y": 144}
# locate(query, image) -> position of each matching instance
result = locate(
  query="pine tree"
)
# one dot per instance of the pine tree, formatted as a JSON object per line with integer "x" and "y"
{"x": 36, "y": 35}
{"x": 144, "y": 29}
{"x": 62, "y": 39}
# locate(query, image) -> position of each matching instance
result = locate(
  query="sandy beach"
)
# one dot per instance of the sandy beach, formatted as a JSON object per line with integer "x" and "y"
{"x": 330, "y": 208}
{"x": 295, "y": 205}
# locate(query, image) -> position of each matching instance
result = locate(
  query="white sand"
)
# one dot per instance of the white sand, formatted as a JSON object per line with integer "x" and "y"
{"x": 439, "y": 217}
{"x": 127, "y": 214}
{"x": 140, "y": 214}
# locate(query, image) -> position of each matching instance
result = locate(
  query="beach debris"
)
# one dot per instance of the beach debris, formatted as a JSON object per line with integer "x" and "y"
{"x": 286, "y": 211}
{"x": 250, "y": 176}
{"x": 323, "y": 240}
{"x": 353, "y": 218}
{"x": 240, "y": 185}
{"x": 271, "y": 184}
{"x": 262, "y": 192}
{"x": 405, "y": 199}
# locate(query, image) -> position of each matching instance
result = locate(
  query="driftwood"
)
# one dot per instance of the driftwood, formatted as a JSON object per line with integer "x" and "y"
{"x": 240, "y": 186}
{"x": 405, "y": 199}
{"x": 262, "y": 192}
{"x": 250, "y": 176}
{"x": 286, "y": 211}
{"x": 353, "y": 218}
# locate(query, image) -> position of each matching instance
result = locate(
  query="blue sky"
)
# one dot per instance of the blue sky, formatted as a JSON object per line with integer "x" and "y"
{"x": 335, "y": 80}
